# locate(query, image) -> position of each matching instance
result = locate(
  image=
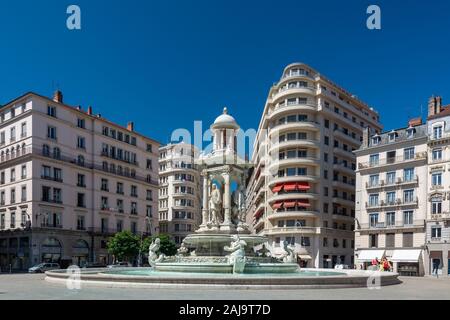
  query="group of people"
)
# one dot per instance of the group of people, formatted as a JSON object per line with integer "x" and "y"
{"x": 383, "y": 265}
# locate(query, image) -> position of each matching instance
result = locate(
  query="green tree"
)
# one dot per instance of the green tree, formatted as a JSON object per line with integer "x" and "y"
{"x": 124, "y": 245}
{"x": 168, "y": 246}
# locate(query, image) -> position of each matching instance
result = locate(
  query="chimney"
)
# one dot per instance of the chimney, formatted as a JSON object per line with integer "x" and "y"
{"x": 89, "y": 110}
{"x": 366, "y": 133}
{"x": 130, "y": 126}
{"x": 58, "y": 96}
{"x": 434, "y": 106}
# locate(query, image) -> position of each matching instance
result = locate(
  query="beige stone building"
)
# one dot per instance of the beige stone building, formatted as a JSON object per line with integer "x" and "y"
{"x": 179, "y": 191}
{"x": 69, "y": 179}
{"x": 438, "y": 217}
{"x": 302, "y": 189}
{"x": 391, "y": 198}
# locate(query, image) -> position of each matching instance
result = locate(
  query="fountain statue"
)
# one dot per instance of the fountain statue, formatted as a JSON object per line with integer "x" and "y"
{"x": 237, "y": 256}
{"x": 289, "y": 255}
{"x": 153, "y": 257}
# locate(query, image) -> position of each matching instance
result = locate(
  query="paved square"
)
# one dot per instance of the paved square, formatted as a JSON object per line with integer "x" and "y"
{"x": 33, "y": 286}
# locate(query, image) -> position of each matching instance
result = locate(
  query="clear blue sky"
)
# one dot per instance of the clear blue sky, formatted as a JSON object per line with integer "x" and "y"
{"x": 165, "y": 64}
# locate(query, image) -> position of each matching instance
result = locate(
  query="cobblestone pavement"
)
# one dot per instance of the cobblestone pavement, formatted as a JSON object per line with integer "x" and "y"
{"x": 33, "y": 286}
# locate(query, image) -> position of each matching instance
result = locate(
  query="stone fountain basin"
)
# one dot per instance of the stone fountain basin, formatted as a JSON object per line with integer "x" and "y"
{"x": 272, "y": 268}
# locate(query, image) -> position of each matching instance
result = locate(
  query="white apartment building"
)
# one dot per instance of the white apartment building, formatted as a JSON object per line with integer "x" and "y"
{"x": 302, "y": 189}
{"x": 391, "y": 198}
{"x": 68, "y": 180}
{"x": 179, "y": 191}
{"x": 438, "y": 217}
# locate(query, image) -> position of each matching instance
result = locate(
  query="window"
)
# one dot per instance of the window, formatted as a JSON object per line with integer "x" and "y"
{"x": 149, "y": 164}
{"x": 13, "y": 195}
{"x": 390, "y": 197}
{"x": 133, "y": 208}
{"x": 437, "y": 132}
{"x": 80, "y": 223}
{"x": 149, "y": 195}
{"x": 408, "y": 240}
{"x": 408, "y": 218}
{"x": 327, "y": 141}
{"x": 51, "y": 132}
{"x": 13, "y": 220}
{"x": 57, "y": 195}
{"x": 81, "y": 200}
{"x": 149, "y": 211}
{"x": 408, "y": 153}
{"x": 373, "y": 200}
{"x": 24, "y": 172}
{"x": 45, "y": 172}
{"x": 437, "y": 154}
{"x": 119, "y": 225}
{"x": 390, "y": 177}
{"x": 81, "y": 180}
{"x": 57, "y": 175}
{"x": 45, "y": 150}
{"x": 374, "y": 180}
{"x": 390, "y": 219}
{"x": 410, "y": 133}
{"x": 390, "y": 240}
{"x": 119, "y": 188}
{"x": 119, "y": 204}
{"x": 2, "y": 137}
{"x": 81, "y": 143}
{"x": 13, "y": 175}
{"x": 104, "y": 224}
{"x": 45, "y": 193}
{"x": 374, "y": 159}
{"x": 408, "y": 196}
{"x": 373, "y": 218}
{"x": 13, "y": 133}
{"x": 51, "y": 111}
{"x": 374, "y": 240}
{"x": 436, "y": 232}
{"x": 104, "y": 185}
{"x": 436, "y": 179}
{"x": 133, "y": 191}
{"x": 81, "y": 123}
{"x": 23, "y": 197}
{"x": 436, "y": 206}
{"x": 23, "y": 130}
{"x": 408, "y": 174}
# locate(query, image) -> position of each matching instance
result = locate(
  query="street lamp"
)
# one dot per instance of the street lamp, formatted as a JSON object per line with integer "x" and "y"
{"x": 147, "y": 219}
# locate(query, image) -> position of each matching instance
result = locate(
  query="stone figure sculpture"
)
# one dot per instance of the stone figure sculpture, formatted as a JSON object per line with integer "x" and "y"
{"x": 182, "y": 250}
{"x": 289, "y": 255}
{"x": 153, "y": 257}
{"x": 263, "y": 252}
{"x": 215, "y": 202}
{"x": 239, "y": 212}
{"x": 237, "y": 256}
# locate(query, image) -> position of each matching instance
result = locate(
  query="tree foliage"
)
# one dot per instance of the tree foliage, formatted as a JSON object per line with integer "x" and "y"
{"x": 124, "y": 245}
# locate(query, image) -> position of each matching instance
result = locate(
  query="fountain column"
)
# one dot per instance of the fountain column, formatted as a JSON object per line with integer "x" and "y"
{"x": 227, "y": 224}
{"x": 205, "y": 210}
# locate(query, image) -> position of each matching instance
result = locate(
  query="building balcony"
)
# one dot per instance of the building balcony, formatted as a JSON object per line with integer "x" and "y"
{"x": 444, "y": 216}
{"x": 277, "y": 164}
{"x": 115, "y": 157}
{"x": 422, "y": 156}
{"x": 56, "y": 201}
{"x": 295, "y": 214}
{"x": 298, "y": 143}
{"x": 56, "y": 179}
{"x": 344, "y": 168}
{"x": 341, "y": 216}
{"x": 16, "y": 155}
{"x": 390, "y": 204}
{"x": 300, "y": 125}
{"x": 287, "y": 179}
{"x": 51, "y": 226}
{"x": 345, "y": 153}
{"x": 389, "y": 226}
{"x": 339, "y": 133}
{"x": 343, "y": 185}
{"x": 345, "y": 202}
{"x": 102, "y": 231}
{"x": 284, "y": 109}
{"x": 293, "y": 196}
{"x": 286, "y": 92}
{"x": 292, "y": 230}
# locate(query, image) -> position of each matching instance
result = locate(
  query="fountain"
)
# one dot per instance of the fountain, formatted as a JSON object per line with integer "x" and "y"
{"x": 223, "y": 251}
{"x": 223, "y": 243}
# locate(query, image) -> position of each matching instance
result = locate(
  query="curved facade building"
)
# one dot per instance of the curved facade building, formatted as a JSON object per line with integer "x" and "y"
{"x": 179, "y": 191}
{"x": 302, "y": 189}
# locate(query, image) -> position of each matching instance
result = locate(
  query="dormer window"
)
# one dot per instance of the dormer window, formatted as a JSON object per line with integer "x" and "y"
{"x": 376, "y": 140}
{"x": 410, "y": 132}
{"x": 392, "y": 136}
{"x": 437, "y": 132}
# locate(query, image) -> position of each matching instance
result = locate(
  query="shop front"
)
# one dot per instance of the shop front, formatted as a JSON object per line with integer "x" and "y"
{"x": 51, "y": 250}
{"x": 364, "y": 258}
{"x": 80, "y": 253}
{"x": 408, "y": 262}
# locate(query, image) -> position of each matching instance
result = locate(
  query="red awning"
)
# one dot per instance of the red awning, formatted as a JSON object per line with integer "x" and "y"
{"x": 289, "y": 204}
{"x": 291, "y": 186}
{"x": 303, "y": 203}
{"x": 277, "y": 205}
{"x": 258, "y": 213}
{"x": 277, "y": 188}
{"x": 303, "y": 186}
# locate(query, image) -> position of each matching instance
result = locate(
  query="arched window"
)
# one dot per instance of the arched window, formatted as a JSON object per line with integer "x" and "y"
{"x": 81, "y": 244}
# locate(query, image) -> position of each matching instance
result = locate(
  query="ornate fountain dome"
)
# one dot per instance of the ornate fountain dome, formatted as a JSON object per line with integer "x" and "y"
{"x": 225, "y": 121}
